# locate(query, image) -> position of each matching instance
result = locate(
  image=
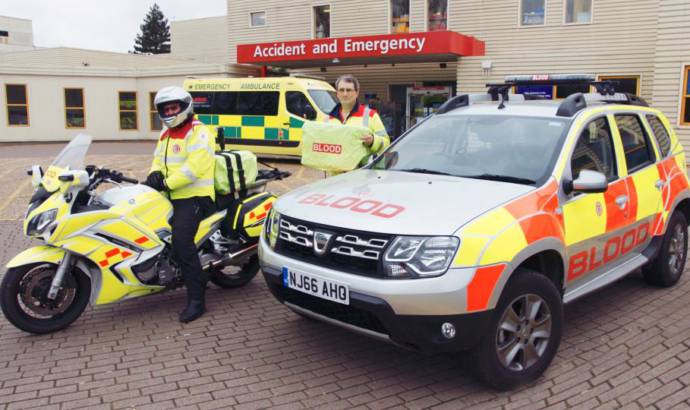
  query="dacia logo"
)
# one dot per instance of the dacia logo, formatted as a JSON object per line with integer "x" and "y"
{"x": 321, "y": 240}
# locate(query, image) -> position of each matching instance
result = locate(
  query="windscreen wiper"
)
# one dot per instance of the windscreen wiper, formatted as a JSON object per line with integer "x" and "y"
{"x": 503, "y": 178}
{"x": 424, "y": 171}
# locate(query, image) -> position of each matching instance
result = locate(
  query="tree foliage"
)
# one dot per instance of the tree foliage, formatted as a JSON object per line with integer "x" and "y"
{"x": 155, "y": 33}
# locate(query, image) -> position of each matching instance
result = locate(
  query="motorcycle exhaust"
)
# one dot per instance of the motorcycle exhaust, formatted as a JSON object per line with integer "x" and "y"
{"x": 228, "y": 259}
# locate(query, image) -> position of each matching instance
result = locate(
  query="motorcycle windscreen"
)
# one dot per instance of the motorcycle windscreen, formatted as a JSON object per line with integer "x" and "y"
{"x": 69, "y": 159}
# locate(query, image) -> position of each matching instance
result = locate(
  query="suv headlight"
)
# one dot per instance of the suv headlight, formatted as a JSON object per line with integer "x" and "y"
{"x": 271, "y": 227}
{"x": 419, "y": 256}
{"x": 39, "y": 222}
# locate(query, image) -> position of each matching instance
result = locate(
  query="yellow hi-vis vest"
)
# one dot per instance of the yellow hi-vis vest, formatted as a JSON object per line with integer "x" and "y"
{"x": 185, "y": 157}
{"x": 367, "y": 117}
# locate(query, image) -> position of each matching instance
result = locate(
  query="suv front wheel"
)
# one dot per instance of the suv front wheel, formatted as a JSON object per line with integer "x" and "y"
{"x": 524, "y": 333}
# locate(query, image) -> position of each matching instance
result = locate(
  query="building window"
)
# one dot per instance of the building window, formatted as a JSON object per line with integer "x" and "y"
{"x": 400, "y": 16}
{"x": 128, "y": 110}
{"x": 563, "y": 91}
{"x": 257, "y": 19}
{"x": 578, "y": 11}
{"x": 17, "y": 104}
{"x": 532, "y": 12}
{"x": 322, "y": 21}
{"x": 156, "y": 124}
{"x": 438, "y": 15}
{"x": 4, "y": 37}
{"x": 685, "y": 104}
{"x": 74, "y": 108}
{"x": 624, "y": 83}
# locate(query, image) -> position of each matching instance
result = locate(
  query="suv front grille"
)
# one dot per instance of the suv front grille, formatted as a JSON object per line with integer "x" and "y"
{"x": 347, "y": 314}
{"x": 346, "y": 250}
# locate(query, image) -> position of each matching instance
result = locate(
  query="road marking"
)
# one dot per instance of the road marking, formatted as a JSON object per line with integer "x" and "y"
{"x": 14, "y": 195}
{"x": 6, "y": 173}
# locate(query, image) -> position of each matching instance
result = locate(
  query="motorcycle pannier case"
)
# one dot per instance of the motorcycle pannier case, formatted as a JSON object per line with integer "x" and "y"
{"x": 333, "y": 147}
{"x": 248, "y": 216}
{"x": 234, "y": 171}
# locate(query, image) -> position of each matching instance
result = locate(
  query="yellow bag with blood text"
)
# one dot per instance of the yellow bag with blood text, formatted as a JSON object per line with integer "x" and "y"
{"x": 333, "y": 147}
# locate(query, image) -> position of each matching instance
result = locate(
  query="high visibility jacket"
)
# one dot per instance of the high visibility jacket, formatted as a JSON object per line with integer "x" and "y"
{"x": 364, "y": 116}
{"x": 185, "y": 156}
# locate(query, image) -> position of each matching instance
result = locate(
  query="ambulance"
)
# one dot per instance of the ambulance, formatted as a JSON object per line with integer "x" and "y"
{"x": 262, "y": 115}
{"x": 472, "y": 230}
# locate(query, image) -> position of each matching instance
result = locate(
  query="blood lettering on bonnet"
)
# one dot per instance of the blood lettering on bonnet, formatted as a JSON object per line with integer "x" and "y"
{"x": 327, "y": 148}
{"x": 354, "y": 204}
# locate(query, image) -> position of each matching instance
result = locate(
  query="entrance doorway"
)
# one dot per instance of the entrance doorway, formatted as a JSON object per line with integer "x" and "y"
{"x": 398, "y": 103}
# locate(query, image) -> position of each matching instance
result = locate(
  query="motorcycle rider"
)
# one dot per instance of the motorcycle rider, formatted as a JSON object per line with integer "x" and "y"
{"x": 183, "y": 165}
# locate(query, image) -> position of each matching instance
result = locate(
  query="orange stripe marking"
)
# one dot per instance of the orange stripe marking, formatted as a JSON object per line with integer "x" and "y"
{"x": 482, "y": 286}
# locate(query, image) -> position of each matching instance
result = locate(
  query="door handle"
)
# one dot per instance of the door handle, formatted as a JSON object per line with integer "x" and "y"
{"x": 621, "y": 201}
{"x": 659, "y": 184}
{"x": 286, "y": 123}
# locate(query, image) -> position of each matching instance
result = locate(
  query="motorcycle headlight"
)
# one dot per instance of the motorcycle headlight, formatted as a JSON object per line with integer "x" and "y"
{"x": 41, "y": 221}
{"x": 271, "y": 227}
{"x": 419, "y": 256}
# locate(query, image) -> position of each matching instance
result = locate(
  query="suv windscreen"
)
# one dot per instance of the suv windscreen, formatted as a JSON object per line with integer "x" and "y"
{"x": 494, "y": 147}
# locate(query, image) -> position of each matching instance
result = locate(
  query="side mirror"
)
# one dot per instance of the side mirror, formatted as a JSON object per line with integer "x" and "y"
{"x": 36, "y": 173}
{"x": 79, "y": 178}
{"x": 590, "y": 182}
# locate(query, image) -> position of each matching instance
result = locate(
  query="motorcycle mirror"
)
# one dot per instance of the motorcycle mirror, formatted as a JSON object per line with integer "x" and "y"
{"x": 80, "y": 178}
{"x": 36, "y": 175}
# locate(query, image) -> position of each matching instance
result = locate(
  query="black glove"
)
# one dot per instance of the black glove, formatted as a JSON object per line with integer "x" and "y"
{"x": 156, "y": 180}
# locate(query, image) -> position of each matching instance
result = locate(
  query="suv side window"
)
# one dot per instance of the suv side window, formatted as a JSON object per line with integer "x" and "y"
{"x": 660, "y": 133}
{"x": 298, "y": 104}
{"x": 638, "y": 151}
{"x": 594, "y": 150}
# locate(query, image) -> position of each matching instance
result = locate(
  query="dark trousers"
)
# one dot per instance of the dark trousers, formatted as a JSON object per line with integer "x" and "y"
{"x": 187, "y": 214}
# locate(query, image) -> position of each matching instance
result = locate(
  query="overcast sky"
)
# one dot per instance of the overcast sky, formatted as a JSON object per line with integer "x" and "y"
{"x": 100, "y": 24}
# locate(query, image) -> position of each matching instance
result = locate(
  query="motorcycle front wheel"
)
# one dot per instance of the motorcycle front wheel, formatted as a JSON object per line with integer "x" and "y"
{"x": 236, "y": 276}
{"x": 25, "y": 303}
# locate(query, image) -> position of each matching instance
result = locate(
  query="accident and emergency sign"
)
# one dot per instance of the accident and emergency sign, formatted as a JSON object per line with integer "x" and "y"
{"x": 435, "y": 44}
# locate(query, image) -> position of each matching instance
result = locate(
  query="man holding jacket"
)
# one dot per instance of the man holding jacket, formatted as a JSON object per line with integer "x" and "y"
{"x": 350, "y": 112}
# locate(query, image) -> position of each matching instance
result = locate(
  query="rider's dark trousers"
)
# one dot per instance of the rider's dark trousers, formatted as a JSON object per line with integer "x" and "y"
{"x": 187, "y": 214}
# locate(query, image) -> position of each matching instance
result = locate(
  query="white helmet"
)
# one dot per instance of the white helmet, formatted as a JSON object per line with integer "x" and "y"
{"x": 174, "y": 94}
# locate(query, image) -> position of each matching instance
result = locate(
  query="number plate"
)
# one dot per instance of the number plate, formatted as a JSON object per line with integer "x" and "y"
{"x": 316, "y": 286}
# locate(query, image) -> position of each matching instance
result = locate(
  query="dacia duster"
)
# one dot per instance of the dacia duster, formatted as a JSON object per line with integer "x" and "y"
{"x": 474, "y": 228}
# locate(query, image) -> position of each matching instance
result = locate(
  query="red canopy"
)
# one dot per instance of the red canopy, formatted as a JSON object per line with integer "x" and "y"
{"x": 437, "y": 46}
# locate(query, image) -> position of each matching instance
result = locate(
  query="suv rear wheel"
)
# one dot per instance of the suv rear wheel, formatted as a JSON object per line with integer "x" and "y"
{"x": 666, "y": 268}
{"x": 524, "y": 333}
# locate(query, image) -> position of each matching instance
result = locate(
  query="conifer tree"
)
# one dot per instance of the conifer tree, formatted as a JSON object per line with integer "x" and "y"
{"x": 155, "y": 33}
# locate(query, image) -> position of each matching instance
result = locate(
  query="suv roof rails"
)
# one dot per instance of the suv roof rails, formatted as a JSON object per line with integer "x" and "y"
{"x": 578, "y": 101}
{"x": 574, "y": 103}
{"x": 463, "y": 100}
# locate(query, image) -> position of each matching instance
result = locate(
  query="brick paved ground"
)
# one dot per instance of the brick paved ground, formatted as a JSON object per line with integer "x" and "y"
{"x": 627, "y": 346}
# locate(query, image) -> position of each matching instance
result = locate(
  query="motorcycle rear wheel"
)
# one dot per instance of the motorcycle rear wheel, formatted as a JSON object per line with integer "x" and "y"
{"x": 236, "y": 276}
{"x": 24, "y": 301}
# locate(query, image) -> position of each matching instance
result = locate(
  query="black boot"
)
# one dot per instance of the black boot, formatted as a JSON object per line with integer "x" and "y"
{"x": 195, "y": 308}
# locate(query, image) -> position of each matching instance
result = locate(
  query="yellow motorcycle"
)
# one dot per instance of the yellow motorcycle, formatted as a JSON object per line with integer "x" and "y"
{"x": 103, "y": 246}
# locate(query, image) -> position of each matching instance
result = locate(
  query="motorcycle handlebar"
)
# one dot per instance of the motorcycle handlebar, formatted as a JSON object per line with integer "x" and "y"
{"x": 130, "y": 180}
